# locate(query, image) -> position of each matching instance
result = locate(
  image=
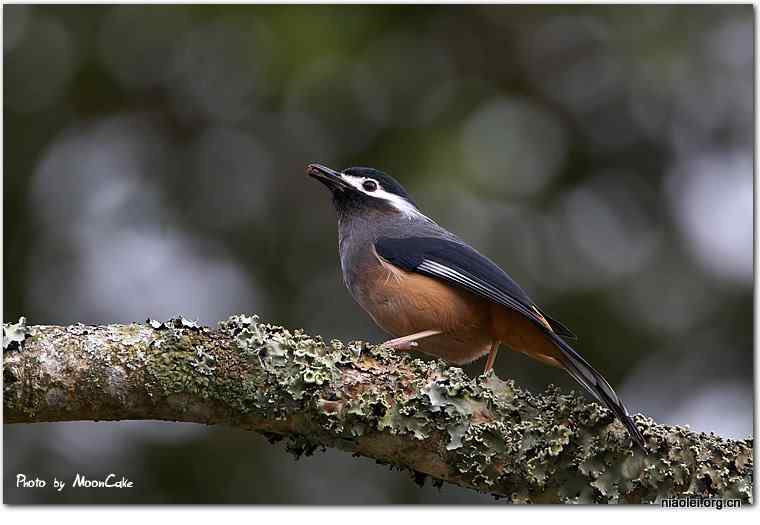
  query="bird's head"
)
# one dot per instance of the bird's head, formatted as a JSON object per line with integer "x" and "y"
{"x": 364, "y": 190}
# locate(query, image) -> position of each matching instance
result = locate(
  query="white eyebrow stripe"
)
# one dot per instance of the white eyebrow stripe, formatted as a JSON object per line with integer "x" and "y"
{"x": 398, "y": 202}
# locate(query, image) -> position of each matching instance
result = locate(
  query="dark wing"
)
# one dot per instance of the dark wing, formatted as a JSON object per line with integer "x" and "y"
{"x": 459, "y": 264}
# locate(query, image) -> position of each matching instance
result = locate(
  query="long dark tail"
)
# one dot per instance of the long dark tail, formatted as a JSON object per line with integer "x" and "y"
{"x": 597, "y": 386}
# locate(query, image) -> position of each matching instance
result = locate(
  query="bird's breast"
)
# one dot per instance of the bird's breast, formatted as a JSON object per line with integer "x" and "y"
{"x": 403, "y": 303}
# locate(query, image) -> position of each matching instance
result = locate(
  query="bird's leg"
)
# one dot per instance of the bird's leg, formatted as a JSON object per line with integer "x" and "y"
{"x": 491, "y": 357}
{"x": 408, "y": 342}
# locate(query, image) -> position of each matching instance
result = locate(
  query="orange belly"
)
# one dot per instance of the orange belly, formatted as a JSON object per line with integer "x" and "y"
{"x": 404, "y": 303}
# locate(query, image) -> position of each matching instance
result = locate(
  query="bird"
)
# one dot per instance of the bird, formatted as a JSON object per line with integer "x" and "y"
{"x": 436, "y": 294}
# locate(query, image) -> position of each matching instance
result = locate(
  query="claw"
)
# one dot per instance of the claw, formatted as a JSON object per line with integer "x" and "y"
{"x": 408, "y": 342}
{"x": 400, "y": 345}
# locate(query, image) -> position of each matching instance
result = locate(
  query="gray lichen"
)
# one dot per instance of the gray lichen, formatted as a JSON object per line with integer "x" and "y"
{"x": 14, "y": 335}
{"x": 427, "y": 417}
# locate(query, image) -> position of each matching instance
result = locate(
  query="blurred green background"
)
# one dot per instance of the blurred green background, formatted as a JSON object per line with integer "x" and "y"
{"x": 154, "y": 165}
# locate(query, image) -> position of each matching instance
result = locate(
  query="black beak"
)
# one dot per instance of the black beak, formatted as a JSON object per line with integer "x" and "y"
{"x": 326, "y": 176}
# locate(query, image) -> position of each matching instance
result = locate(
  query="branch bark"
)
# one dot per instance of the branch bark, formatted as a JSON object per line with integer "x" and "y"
{"x": 484, "y": 434}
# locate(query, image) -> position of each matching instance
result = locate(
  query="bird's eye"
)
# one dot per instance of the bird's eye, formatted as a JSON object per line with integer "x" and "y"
{"x": 369, "y": 185}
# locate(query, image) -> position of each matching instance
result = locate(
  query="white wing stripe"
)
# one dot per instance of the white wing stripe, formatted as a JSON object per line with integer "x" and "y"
{"x": 445, "y": 270}
{"x": 484, "y": 288}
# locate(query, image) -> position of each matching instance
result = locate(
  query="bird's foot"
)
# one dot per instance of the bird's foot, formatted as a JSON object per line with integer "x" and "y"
{"x": 398, "y": 344}
{"x": 408, "y": 342}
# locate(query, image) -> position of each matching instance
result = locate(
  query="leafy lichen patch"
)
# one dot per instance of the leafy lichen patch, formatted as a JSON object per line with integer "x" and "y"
{"x": 425, "y": 416}
{"x": 14, "y": 335}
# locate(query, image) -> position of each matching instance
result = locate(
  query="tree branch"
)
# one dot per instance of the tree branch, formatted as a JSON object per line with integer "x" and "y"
{"x": 484, "y": 434}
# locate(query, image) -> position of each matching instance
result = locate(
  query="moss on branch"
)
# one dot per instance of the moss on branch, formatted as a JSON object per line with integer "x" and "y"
{"x": 483, "y": 433}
